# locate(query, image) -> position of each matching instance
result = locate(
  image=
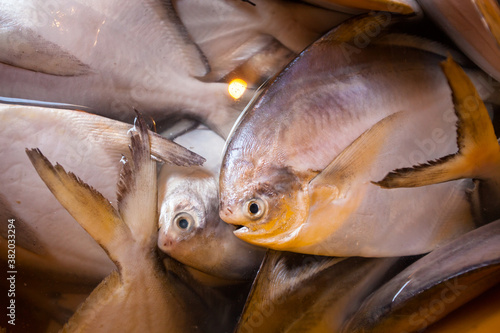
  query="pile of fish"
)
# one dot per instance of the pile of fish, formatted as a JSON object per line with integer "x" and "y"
{"x": 354, "y": 186}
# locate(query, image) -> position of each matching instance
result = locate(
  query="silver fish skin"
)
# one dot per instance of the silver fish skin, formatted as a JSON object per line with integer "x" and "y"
{"x": 330, "y": 95}
{"x": 294, "y": 292}
{"x": 89, "y": 145}
{"x": 141, "y": 294}
{"x": 191, "y": 230}
{"x": 445, "y": 279}
{"x": 471, "y": 32}
{"x": 237, "y": 34}
{"x": 77, "y": 52}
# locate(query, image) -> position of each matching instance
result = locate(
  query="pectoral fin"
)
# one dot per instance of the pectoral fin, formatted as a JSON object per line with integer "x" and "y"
{"x": 479, "y": 153}
{"x": 92, "y": 211}
{"x": 353, "y": 162}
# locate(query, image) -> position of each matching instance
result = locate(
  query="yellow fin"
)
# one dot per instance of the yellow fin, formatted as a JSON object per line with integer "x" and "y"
{"x": 490, "y": 11}
{"x": 479, "y": 153}
{"x": 92, "y": 211}
{"x": 354, "y": 161}
{"x": 393, "y": 6}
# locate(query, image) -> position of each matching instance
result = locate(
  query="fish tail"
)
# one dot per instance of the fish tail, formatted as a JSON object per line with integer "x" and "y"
{"x": 89, "y": 207}
{"x": 478, "y": 156}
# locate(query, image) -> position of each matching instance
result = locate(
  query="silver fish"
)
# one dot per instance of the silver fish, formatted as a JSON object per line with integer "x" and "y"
{"x": 344, "y": 117}
{"x": 477, "y": 33}
{"x": 433, "y": 286}
{"x": 236, "y": 32}
{"x": 303, "y": 293}
{"x": 141, "y": 295}
{"x": 77, "y": 52}
{"x": 87, "y": 144}
{"x": 191, "y": 230}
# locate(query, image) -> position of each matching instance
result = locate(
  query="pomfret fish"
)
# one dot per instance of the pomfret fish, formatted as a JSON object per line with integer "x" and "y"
{"x": 88, "y": 144}
{"x": 433, "y": 286}
{"x": 191, "y": 230}
{"x": 77, "y": 52}
{"x": 237, "y": 32}
{"x": 141, "y": 295}
{"x": 343, "y": 117}
{"x": 302, "y": 293}
{"x": 477, "y": 33}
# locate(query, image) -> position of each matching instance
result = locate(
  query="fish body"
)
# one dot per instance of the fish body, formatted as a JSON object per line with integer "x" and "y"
{"x": 477, "y": 34}
{"x": 141, "y": 294}
{"x": 76, "y": 52}
{"x": 344, "y": 117}
{"x": 451, "y": 276}
{"x": 294, "y": 292}
{"x": 238, "y": 34}
{"x": 191, "y": 230}
{"x": 85, "y": 143}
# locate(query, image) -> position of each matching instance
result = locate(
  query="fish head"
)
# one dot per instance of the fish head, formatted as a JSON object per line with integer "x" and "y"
{"x": 188, "y": 211}
{"x": 268, "y": 203}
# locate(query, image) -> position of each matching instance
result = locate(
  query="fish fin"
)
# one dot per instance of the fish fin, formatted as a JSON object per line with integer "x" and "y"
{"x": 476, "y": 140}
{"x": 406, "y": 7}
{"x": 92, "y": 211}
{"x": 28, "y": 50}
{"x": 170, "y": 152}
{"x": 137, "y": 192}
{"x": 490, "y": 12}
{"x": 353, "y": 161}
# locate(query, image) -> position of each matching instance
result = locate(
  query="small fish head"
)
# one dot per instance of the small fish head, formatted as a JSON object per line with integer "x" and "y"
{"x": 188, "y": 210}
{"x": 268, "y": 204}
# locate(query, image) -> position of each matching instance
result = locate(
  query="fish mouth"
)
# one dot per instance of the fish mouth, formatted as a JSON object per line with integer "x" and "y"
{"x": 240, "y": 229}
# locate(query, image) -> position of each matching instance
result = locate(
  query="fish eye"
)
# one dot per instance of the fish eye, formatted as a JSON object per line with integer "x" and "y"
{"x": 183, "y": 221}
{"x": 255, "y": 208}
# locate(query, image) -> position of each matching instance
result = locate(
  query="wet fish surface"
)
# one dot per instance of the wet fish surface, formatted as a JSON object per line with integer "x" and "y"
{"x": 141, "y": 295}
{"x": 84, "y": 143}
{"x": 191, "y": 230}
{"x": 346, "y": 116}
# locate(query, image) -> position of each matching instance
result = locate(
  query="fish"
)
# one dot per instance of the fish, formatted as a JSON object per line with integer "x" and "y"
{"x": 87, "y": 144}
{"x": 76, "y": 52}
{"x": 478, "y": 156}
{"x": 303, "y": 293}
{"x": 190, "y": 229}
{"x": 344, "y": 115}
{"x": 140, "y": 294}
{"x": 237, "y": 36}
{"x": 477, "y": 34}
{"x": 434, "y": 285}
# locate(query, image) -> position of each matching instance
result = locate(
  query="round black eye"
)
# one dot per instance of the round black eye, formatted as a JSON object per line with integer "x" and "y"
{"x": 253, "y": 208}
{"x": 183, "y": 223}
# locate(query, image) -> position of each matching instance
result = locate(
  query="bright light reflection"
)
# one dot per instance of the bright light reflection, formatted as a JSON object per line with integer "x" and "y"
{"x": 236, "y": 88}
